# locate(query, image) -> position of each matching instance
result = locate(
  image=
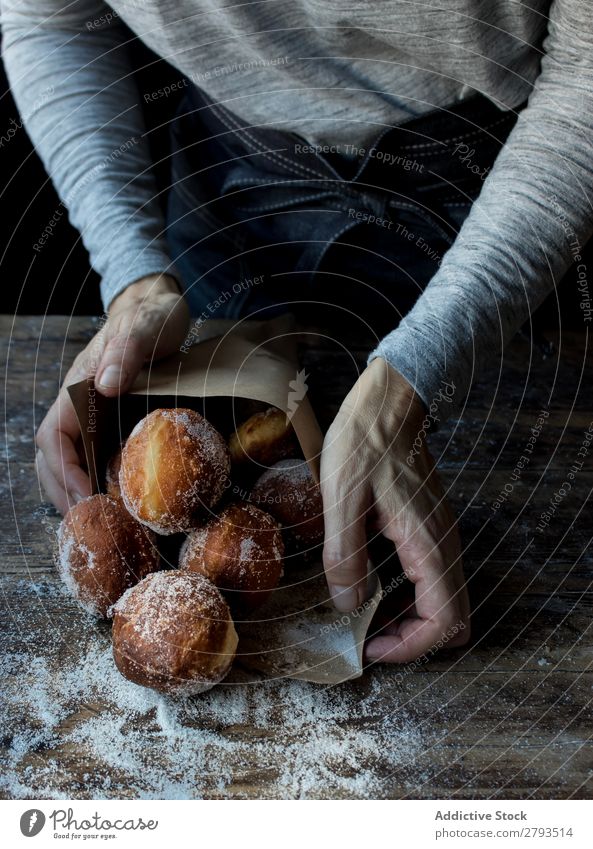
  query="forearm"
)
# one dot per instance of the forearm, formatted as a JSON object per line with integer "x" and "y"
{"x": 72, "y": 82}
{"x": 530, "y": 222}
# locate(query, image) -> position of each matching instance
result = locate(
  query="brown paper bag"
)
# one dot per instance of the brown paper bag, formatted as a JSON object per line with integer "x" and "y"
{"x": 223, "y": 367}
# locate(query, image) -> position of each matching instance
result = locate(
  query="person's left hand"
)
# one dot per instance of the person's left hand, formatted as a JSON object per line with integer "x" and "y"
{"x": 370, "y": 474}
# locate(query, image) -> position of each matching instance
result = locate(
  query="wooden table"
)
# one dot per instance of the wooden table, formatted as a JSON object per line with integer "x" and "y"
{"x": 511, "y": 717}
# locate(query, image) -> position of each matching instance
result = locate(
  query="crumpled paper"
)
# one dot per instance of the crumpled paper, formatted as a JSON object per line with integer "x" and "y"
{"x": 297, "y": 633}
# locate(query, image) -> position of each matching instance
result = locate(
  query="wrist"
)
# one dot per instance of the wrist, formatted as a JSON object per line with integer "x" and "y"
{"x": 401, "y": 402}
{"x": 152, "y": 287}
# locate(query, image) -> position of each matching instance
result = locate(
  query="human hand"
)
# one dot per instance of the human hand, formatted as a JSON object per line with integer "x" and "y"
{"x": 148, "y": 320}
{"x": 371, "y": 478}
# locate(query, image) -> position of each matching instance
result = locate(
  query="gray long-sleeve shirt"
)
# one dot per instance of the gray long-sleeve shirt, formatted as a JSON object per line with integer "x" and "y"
{"x": 336, "y": 72}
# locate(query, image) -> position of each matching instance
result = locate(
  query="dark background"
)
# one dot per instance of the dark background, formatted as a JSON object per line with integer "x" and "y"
{"x": 59, "y": 279}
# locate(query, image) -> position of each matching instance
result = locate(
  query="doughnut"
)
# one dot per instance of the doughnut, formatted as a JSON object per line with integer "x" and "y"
{"x": 241, "y": 551}
{"x": 290, "y": 494}
{"x": 174, "y": 467}
{"x": 173, "y": 632}
{"x": 264, "y": 438}
{"x": 112, "y": 475}
{"x": 102, "y": 552}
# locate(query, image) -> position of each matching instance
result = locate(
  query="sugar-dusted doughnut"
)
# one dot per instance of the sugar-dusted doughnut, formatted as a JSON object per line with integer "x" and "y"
{"x": 174, "y": 467}
{"x": 290, "y": 494}
{"x": 173, "y": 632}
{"x": 241, "y": 551}
{"x": 103, "y": 551}
{"x": 264, "y": 438}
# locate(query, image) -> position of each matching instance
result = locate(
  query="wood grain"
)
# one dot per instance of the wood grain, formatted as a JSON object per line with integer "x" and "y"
{"x": 508, "y": 718}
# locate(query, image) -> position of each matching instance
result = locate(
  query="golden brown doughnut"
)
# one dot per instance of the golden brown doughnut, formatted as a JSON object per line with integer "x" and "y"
{"x": 112, "y": 475}
{"x": 290, "y": 494}
{"x": 264, "y": 438}
{"x": 173, "y": 632}
{"x": 174, "y": 466}
{"x": 103, "y": 551}
{"x": 241, "y": 551}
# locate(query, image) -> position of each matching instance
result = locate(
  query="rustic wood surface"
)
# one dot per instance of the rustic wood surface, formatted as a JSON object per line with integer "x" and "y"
{"x": 510, "y": 717}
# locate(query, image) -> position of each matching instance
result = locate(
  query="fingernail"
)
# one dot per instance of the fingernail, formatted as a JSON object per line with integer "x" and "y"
{"x": 373, "y": 655}
{"x": 76, "y": 496}
{"x": 345, "y": 599}
{"x": 112, "y": 377}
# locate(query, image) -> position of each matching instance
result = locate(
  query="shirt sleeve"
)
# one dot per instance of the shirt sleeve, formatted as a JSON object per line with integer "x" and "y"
{"x": 530, "y": 222}
{"x": 69, "y": 71}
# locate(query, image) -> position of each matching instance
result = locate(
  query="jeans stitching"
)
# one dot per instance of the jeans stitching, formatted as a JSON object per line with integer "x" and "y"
{"x": 274, "y": 181}
{"x": 255, "y": 143}
{"x": 446, "y": 142}
{"x": 368, "y": 157}
{"x": 333, "y": 191}
{"x": 283, "y": 205}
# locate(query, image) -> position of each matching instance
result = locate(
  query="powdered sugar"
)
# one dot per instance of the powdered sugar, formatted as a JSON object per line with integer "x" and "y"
{"x": 248, "y": 550}
{"x": 289, "y": 492}
{"x": 101, "y": 551}
{"x": 291, "y": 471}
{"x": 157, "y": 527}
{"x": 89, "y": 733}
{"x": 166, "y": 489}
{"x": 68, "y": 544}
{"x": 162, "y": 594}
{"x": 201, "y": 431}
{"x": 193, "y": 543}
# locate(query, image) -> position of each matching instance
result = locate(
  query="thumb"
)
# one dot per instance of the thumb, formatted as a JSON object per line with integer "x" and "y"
{"x": 122, "y": 359}
{"x": 344, "y": 552}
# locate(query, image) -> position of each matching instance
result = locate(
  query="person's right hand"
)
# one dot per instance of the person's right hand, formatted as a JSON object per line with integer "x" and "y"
{"x": 146, "y": 321}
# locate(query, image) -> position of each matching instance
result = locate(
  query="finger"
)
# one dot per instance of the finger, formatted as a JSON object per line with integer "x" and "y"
{"x": 438, "y": 606}
{"x": 52, "y": 490}
{"x": 345, "y": 555}
{"x": 57, "y": 437}
{"x": 402, "y": 642}
{"x": 56, "y": 440}
{"x": 432, "y": 562}
{"x": 414, "y": 639}
{"x": 123, "y": 357}
{"x": 385, "y": 625}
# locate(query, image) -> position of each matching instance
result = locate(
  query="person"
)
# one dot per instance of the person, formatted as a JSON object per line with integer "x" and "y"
{"x": 429, "y": 163}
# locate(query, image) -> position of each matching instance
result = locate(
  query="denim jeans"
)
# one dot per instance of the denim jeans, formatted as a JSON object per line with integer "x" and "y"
{"x": 259, "y": 221}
